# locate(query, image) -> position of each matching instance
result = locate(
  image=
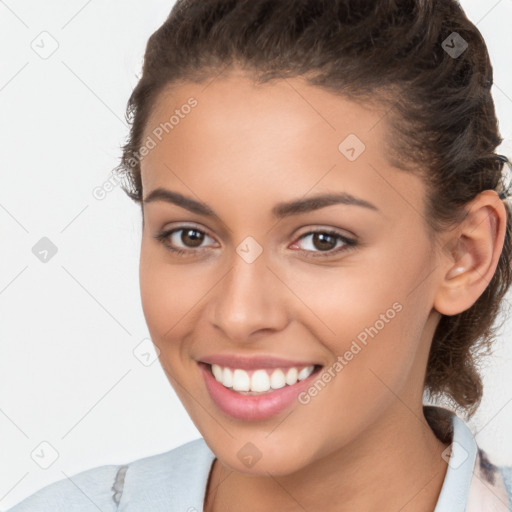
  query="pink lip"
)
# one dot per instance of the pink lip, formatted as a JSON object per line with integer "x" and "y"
{"x": 253, "y": 363}
{"x": 252, "y": 407}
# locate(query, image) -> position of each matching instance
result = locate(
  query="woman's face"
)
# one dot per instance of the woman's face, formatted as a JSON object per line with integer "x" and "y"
{"x": 272, "y": 282}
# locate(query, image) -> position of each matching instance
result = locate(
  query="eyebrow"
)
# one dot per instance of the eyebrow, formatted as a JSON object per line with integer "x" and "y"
{"x": 279, "y": 211}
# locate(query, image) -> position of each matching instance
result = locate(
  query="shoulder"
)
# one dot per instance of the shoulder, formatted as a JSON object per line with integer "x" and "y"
{"x": 506, "y": 474}
{"x": 491, "y": 486}
{"x": 149, "y": 482}
{"x": 89, "y": 490}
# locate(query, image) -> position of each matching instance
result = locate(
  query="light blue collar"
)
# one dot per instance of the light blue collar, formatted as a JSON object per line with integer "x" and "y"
{"x": 459, "y": 474}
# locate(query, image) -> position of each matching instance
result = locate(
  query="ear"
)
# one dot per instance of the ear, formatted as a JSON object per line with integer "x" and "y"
{"x": 471, "y": 253}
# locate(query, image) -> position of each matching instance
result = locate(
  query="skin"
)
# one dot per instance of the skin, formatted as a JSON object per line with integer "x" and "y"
{"x": 243, "y": 149}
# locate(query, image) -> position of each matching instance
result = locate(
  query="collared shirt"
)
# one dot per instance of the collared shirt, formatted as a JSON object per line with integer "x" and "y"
{"x": 176, "y": 481}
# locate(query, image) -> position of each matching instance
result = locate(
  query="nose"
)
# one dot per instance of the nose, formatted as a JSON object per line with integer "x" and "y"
{"x": 250, "y": 301}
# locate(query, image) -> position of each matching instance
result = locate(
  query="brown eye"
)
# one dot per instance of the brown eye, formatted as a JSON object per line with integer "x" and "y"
{"x": 325, "y": 242}
{"x": 191, "y": 237}
{"x": 183, "y": 240}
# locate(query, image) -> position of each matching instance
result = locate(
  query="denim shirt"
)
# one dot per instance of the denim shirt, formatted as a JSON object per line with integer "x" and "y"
{"x": 175, "y": 481}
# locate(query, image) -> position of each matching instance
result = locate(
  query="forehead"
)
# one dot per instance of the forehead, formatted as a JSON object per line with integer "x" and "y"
{"x": 235, "y": 104}
{"x": 280, "y": 138}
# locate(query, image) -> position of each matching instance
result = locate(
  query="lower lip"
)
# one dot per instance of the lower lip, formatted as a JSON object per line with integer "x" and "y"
{"x": 252, "y": 407}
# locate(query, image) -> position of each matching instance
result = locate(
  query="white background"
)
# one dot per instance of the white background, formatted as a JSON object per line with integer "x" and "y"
{"x": 68, "y": 374}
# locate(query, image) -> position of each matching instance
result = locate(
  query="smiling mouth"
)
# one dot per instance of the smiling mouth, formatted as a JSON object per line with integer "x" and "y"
{"x": 260, "y": 381}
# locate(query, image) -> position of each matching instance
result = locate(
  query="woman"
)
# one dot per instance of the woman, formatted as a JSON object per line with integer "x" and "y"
{"x": 325, "y": 240}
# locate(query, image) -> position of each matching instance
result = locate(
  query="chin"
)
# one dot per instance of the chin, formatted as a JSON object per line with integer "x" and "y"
{"x": 275, "y": 465}
{"x": 259, "y": 455}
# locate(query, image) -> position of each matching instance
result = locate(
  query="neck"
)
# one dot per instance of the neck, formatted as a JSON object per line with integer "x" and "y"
{"x": 395, "y": 464}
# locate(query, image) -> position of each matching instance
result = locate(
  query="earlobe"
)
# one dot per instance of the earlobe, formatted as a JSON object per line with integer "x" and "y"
{"x": 467, "y": 269}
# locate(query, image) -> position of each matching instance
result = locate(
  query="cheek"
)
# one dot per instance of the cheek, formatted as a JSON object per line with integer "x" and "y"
{"x": 173, "y": 296}
{"x": 346, "y": 300}
{"x": 371, "y": 314}
{"x": 168, "y": 294}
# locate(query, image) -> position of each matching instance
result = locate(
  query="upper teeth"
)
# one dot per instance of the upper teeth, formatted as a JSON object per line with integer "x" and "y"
{"x": 260, "y": 380}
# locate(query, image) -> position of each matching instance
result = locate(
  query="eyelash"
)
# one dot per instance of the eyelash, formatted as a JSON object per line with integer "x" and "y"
{"x": 164, "y": 236}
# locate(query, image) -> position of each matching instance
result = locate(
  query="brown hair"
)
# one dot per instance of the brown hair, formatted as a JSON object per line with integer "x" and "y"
{"x": 397, "y": 53}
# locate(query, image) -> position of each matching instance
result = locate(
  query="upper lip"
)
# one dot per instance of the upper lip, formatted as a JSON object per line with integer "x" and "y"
{"x": 254, "y": 362}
